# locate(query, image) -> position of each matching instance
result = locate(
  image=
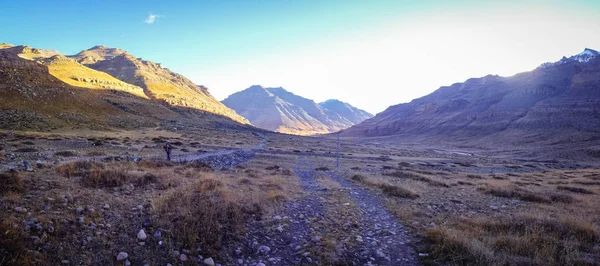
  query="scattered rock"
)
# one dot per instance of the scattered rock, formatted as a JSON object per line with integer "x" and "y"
{"x": 209, "y": 262}
{"x": 142, "y": 235}
{"x": 315, "y": 239}
{"x": 20, "y": 209}
{"x": 264, "y": 249}
{"x": 122, "y": 256}
{"x": 106, "y": 206}
{"x": 276, "y": 217}
{"x": 183, "y": 257}
{"x": 64, "y": 261}
{"x": 423, "y": 254}
{"x": 26, "y": 166}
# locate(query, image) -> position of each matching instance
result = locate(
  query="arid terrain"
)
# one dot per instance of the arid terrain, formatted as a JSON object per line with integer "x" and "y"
{"x": 249, "y": 197}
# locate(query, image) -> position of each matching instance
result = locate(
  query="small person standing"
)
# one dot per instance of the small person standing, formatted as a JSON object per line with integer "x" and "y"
{"x": 168, "y": 149}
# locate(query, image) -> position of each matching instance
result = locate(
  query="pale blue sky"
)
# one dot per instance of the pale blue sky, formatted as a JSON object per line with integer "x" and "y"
{"x": 370, "y": 53}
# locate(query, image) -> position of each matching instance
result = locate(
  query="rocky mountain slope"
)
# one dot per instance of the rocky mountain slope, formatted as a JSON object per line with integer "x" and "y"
{"x": 44, "y": 90}
{"x": 158, "y": 83}
{"x": 280, "y": 110}
{"x": 346, "y": 110}
{"x": 555, "y": 102}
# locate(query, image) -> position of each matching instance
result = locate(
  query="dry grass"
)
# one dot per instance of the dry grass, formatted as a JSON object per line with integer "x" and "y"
{"x": 389, "y": 189}
{"x": 396, "y": 191}
{"x": 26, "y": 149}
{"x": 521, "y": 240}
{"x": 10, "y": 181}
{"x": 215, "y": 209}
{"x": 575, "y": 189}
{"x": 518, "y": 193}
{"x": 107, "y": 175}
{"x": 418, "y": 177}
{"x": 66, "y": 153}
{"x": 13, "y": 249}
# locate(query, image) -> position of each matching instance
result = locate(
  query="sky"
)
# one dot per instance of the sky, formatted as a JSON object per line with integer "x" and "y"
{"x": 372, "y": 54}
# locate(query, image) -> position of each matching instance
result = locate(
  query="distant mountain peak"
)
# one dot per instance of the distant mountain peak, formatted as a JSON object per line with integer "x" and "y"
{"x": 332, "y": 101}
{"x": 583, "y": 57}
{"x": 277, "y": 109}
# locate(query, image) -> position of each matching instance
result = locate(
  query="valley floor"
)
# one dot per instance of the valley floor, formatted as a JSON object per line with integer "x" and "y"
{"x": 256, "y": 198}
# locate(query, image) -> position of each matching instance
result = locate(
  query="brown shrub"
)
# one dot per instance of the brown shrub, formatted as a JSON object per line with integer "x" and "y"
{"x": 473, "y": 176}
{"x": 102, "y": 175}
{"x": 561, "y": 198}
{"x": 10, "y": 181}
{"x": 359, "y": 178}
{"x": 13, "y": 249}
{"x": 69, "y": 170}
{"x": 252, "y": 173}
{"x": 575, "y": 189}
{"x": 465, "y": 183}
{"x": 588, "y": 183}
{"x": 201, "y": 166}
{"x": 273, "y": 167}
{"x": 156, "y": 163}
{"x": 204, "y": 219}
{"x": 287, "y": 172}
{"x": 26, "y": 149}
{"x": 523, "y": 240}
{"x": 105, "y": 178}
{"x": 276, "y": 196}
{"x": 413, "y": 176}
{"x": 396, "y": 191}
{"x": 526, "y": 195}
{"x": 515, "y": 193}
{"x": 209, "y": 184}
{"x": 66, "y": 153}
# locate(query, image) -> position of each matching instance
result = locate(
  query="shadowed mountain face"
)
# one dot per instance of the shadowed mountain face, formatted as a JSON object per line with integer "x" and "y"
{"x": 282, "y": 111}
{"x": 158, "y": 82}
{"x": 44, "y": 90}
{"x": 556, "y": 100}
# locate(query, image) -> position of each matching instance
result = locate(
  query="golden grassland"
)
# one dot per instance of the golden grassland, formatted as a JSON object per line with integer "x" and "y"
{"x": 458, "y": 212}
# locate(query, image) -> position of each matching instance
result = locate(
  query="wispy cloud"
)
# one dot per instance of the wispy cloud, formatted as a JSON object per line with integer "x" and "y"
{"x": 151, "y": 18}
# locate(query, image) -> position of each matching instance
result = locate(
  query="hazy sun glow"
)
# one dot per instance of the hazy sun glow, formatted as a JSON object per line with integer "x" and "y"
{"x": 411, "y": 56}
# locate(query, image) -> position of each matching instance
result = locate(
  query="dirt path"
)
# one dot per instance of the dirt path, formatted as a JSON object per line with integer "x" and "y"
{"x": 294, "y": 236}
{"x": 225, "y": 158}
{"x": 384, "y": 240}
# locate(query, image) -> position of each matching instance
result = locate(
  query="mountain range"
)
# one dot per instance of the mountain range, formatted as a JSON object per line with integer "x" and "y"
{"x": 553, "y": 103}
{"x": 97, "y": 88}
{"x": 279, "y": 110}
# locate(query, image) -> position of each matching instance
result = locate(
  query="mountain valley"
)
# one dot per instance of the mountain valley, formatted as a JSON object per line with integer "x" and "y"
{"x": 492, "y": 171}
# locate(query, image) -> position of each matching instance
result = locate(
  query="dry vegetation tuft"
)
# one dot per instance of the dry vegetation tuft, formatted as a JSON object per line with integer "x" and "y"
{"x": 216, "y": 208}
{"x": 10, "y": 181}
{"x": 521, "y": 194}
{"x": 13, "y": 244}
{"x": 521, "y": 240}
{"x": 575, "y": 189}
{"x": 387, "y": 188}
{"x": 396, "y": 191}
{"x": 418, "y": 177}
